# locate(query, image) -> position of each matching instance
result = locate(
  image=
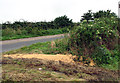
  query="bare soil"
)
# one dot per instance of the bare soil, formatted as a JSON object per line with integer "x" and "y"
{"x": 58, "y": 57}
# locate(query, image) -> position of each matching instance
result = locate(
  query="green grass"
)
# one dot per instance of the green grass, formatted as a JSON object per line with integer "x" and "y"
{"x": 111, "y": 66}
{"x": 17, "y": 37}
{"x": 14, "y": 35}
{"x": 114, "y": 65}
{"x": 34, "y": 48}
{"x": 45, "y": 47}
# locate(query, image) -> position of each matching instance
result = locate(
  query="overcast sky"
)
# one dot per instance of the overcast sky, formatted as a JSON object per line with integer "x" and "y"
{"x": 48, "y": 10}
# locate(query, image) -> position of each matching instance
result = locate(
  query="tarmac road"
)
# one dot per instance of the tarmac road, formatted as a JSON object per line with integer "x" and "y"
{"x": 9, "y": 45}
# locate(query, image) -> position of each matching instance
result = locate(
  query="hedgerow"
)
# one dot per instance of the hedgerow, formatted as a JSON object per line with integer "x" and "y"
{"x": 95, "y": 39}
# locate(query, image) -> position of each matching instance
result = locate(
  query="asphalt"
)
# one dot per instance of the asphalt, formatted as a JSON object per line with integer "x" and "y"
{"x": 9, "y": 45}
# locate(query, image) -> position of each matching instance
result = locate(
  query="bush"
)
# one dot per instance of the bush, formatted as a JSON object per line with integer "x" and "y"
{"x": 8, "y": 32}
{"x": 18, "y": 31}
{"x": 87, "y": 40}
{"x": 63, "y": 21}
{"x": 102, "y": 55}
{"x": 35, "y": 31}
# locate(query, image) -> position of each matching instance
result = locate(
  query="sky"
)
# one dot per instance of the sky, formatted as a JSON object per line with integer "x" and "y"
{"x": 48, "y": 10}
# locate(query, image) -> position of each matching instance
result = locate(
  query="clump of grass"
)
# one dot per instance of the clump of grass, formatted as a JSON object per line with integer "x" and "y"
{"x": 60, "y": 47}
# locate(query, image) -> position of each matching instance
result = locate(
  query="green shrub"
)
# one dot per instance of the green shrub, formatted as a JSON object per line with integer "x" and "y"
{"x": 102, "y": 55}
{"x": 88, "y": 39}
{"x": 24, "y": 32}
{"x": 8, "y": 32}
{"x": 35, "y": 31}
{"x": 18, "y": 31}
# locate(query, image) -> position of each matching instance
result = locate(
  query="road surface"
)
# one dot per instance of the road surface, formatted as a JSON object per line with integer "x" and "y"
{"x": 9, "y": 45}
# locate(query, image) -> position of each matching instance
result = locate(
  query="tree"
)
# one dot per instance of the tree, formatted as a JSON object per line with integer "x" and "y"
{"x": 102, "y": 13}
{"x": 87, "y": 16}
{"x": 91, "y": 16}
{"x": 63, "y": 21}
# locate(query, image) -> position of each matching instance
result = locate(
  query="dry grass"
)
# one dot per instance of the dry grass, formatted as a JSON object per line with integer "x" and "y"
{"x": 53, "y": 45}
{"x": 29, "y": 68}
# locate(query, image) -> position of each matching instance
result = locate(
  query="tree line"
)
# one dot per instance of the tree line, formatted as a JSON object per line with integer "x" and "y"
{"x": 59, "y": 22}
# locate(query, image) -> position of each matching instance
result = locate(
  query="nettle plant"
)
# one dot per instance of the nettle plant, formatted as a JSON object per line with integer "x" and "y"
{"x": 89, "y": 36}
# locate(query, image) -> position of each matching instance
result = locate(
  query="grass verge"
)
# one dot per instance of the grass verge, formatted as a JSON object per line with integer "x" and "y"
{"x": 13, "y": 35}
{"x": 54, "y": 47}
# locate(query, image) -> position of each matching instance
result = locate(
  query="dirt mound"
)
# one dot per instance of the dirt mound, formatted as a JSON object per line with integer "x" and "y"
{"x": 58, "y": 57}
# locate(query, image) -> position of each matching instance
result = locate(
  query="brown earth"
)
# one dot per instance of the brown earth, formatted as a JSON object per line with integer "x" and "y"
{"x": 58, "y": 57}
